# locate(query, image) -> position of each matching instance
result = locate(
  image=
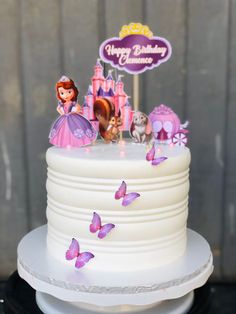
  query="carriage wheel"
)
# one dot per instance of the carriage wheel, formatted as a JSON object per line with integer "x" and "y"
{"x": 179, "y": 139}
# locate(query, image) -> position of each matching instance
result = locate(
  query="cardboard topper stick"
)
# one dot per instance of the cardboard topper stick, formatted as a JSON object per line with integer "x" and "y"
{"x": 136, "y": 92}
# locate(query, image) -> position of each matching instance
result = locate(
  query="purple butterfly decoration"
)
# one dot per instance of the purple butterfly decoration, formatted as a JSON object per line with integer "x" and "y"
{"x": 151, "y": 157}
{"x": 97, "y": 225}
{"x": 74, "y": 252}
{"x": 127, "y": 198}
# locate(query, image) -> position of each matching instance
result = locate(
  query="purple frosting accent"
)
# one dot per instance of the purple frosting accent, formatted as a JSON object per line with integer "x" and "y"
{"x": 135, "y": 53}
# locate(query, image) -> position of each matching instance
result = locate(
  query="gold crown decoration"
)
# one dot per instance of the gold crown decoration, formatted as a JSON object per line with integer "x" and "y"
{"x": 135, "y": 29}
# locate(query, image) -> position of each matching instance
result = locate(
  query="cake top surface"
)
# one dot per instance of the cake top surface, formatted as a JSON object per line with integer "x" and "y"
{"x": 124, "y": 150}
{"x": 125, "y": 160}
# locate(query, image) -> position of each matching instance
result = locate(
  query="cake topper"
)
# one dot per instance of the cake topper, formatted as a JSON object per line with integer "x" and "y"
{"x": 70, "y": 129}
{"x": 113, "y": 90}
{"x": 109, "y": 122}
{"x": 135, "y": 50}
{"x": 141, "y": 128}
{"x": 150, "y": 156}
{"x": 74, "y": 252}
{"x": 167, "y": 128}
{"x": 127, "y": 198}
{"x": 96, "y": 225}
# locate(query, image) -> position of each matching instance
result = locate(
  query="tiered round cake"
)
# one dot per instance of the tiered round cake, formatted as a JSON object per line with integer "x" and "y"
{"x": 150, "y": 232}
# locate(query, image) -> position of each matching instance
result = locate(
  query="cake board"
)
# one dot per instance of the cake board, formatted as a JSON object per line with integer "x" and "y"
{"x": 51, "y": 305}
{"x": 95, "y": 290}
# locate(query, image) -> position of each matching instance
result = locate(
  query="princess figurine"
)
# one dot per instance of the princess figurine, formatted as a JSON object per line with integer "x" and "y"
{"x": 70, "y": 129}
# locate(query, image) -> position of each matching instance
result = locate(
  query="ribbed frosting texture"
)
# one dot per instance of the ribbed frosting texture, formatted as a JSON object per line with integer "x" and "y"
{"x": 149, "y": 232}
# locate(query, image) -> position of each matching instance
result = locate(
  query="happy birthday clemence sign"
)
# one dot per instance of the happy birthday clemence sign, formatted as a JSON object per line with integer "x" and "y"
{"x": 136, "y": 50}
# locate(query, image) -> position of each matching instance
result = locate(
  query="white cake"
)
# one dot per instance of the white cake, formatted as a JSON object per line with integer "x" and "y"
{"x": 148, "y": 233}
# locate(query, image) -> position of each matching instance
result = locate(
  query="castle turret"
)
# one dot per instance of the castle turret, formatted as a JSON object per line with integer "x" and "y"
{"x": 106, "y": 88}
{"x": 126, "y": 116}
{"x": 100, "y": 92}
{"x": 89, "y": 99}
{"x": 85, "y": 109}
{"x": 110, "y": 83}
{"x": 120, "y": 95}
{"x": 98, "y": 78}
{"x": 103, "y": 94}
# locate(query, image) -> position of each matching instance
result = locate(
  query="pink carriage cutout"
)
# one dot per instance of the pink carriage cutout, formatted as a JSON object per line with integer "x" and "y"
{"x": 167, "y": 127}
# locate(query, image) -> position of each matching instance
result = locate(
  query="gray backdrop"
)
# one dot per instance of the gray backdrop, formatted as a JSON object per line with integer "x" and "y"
{"x": 41, "y": 40}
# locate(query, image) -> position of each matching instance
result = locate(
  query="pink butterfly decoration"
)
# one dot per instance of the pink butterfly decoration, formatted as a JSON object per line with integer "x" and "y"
{"x": 127, "y": 198}
{"x": 97, "y": 225}
{"x": 74, "y": 252}
{"x": 151, "y": 157}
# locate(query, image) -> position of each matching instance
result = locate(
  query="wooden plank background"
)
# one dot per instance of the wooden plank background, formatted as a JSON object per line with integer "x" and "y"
{"x": 41, "y": 40}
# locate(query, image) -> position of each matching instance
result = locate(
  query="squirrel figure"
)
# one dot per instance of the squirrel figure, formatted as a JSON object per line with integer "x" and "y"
{"x": 109, "y": 123}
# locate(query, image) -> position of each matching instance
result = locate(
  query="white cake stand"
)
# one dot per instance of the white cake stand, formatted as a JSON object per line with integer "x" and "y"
{"x": 62, "y": 289}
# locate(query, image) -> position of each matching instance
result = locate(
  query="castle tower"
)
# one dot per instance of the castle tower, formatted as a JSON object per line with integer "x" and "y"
{"x": 106, "y": 94}
{"x": 89, "y": 99}
{"x": 98, "y": 78}
{"x": 110, "y": 95}
{"x": 107, "y": 88}
{"x": 120, "y": 95}
{"x": 126, "y": 116}
{"x": 110, "y": 83}
{"x": 85, "y": 109}
{"x": 100, "y": 93}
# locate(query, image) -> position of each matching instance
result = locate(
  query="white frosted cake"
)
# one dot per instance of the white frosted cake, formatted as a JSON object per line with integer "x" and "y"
{"x": 148, "y": 233}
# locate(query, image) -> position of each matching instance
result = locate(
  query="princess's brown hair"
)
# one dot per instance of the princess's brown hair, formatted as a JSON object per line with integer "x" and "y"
{"x": 67, "y": 85}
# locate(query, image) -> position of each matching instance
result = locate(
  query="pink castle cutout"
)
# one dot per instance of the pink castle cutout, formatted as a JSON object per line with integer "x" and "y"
{"x": 102, "y": 87}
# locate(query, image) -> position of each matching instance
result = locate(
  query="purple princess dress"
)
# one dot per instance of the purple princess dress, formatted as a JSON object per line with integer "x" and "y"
{"x": 71, "y": 129}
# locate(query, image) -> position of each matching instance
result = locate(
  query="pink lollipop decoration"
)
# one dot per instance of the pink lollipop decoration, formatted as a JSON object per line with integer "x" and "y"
{"x": 97, "y": 225}
{"x": 127, "y": 198}
{"x": 150, "y": 156}
{"x": 74, "y": 252}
